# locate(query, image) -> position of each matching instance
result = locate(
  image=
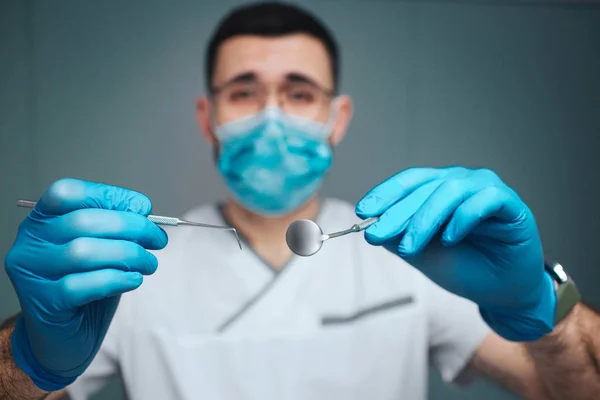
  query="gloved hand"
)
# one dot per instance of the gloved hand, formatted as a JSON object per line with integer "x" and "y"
{"x": 80, "y": 248}
{"x": 472, "y": 235}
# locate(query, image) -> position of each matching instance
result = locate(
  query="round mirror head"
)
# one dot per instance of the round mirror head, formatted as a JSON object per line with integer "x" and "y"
{"x": 304, "y": 237}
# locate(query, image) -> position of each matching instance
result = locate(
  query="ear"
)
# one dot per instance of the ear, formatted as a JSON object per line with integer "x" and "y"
{"x": 203, "y": 113}
{"x": 343, "y": 115}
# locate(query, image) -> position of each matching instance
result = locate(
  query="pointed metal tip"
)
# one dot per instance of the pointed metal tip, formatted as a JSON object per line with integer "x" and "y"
{"x": 237, "y": 238}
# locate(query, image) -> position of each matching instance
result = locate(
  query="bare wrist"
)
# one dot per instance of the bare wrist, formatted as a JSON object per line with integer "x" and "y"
{"x": 14, "y": 383}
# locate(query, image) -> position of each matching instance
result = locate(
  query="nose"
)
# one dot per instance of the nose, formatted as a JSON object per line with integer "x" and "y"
{"x": 272, "y": 98}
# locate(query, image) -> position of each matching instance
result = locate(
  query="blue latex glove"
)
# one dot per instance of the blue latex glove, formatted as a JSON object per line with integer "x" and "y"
{"x": 80, "y": 248}
{"x": 472, "y": 235}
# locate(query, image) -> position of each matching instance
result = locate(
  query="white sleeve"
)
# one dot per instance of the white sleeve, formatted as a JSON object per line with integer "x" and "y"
{"x": 103, "y": 368}
{"x": 456, "y": 330}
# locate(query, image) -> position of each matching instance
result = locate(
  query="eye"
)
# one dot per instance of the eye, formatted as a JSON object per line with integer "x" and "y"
{"x": 301, "y": 95}
{"x": 242, "y": 94}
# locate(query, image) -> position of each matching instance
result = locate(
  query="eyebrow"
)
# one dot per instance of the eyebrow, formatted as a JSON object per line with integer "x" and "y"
{"x": 295, "y": 77}
{"x": 244, "y": 77}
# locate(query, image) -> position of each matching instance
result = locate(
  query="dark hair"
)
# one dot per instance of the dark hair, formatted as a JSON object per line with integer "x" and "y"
{"x": 269, "y": 19}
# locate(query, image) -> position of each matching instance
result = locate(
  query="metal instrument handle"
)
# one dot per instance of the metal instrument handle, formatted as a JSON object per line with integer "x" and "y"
{"x": 361, "y": 226}
{"x": 160, "y": 220}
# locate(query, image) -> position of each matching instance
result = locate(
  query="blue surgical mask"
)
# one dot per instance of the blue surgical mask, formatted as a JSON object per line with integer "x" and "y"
{"x": 273, "y": 162}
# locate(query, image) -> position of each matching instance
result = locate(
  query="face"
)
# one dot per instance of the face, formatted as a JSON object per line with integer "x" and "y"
{"x": 292, "y": 72}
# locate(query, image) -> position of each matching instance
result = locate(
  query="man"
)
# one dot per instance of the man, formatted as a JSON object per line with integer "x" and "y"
{"x": 354, "y": 321}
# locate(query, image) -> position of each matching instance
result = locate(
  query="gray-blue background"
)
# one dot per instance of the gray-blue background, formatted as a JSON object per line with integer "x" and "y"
{"x": 105, "y": 90}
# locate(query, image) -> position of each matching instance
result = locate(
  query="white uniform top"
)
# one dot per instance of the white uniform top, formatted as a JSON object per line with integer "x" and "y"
{"x": 351, "y": 322}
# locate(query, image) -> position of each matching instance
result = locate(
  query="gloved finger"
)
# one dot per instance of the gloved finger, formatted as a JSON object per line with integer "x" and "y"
{"x": 80, "y": 289}
{"x": 435, "y": 212}
{"x": 106, "y": 224}
{"x": 68, "y": 194}
{"x": 392, "y": 190}
{"x": 85, "y": 254}
{"x": 492, "y": 201}
{"x": 393, "y": 221}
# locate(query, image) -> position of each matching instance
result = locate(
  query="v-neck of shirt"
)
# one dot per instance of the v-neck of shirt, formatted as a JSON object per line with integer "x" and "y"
{"x": 276, "y": 273}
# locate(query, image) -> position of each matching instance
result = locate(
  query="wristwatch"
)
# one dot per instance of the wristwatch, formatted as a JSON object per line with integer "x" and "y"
{"x": 567, "y": 295}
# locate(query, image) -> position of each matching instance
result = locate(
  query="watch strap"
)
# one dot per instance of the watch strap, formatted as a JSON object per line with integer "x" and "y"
{"x": 567, "y": 295}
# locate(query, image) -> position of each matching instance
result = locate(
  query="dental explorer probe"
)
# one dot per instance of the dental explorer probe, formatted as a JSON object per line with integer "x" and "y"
{"x": 160, "y": 220}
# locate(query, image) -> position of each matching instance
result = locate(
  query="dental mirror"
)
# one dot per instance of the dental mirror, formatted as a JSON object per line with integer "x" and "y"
{"x": 305, "y": 237}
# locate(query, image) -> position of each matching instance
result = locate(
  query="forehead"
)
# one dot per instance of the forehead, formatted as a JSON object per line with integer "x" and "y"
{"x": 272, "y": 58}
